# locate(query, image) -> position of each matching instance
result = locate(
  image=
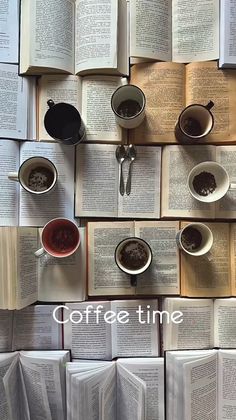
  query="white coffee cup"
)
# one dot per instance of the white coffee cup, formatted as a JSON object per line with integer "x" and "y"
{"x": 206, "y": 240}
{"x": 128, "y": 93}
{"x": 222, "y": 182}
{"x": 29, "y": 169}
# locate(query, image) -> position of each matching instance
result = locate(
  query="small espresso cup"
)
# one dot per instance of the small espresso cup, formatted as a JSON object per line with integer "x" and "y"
{"x": 194, "y": 123}
{"x": 133, "y": 256}
{"x": 195, "y": 239}
{"x": 60, "y": 238}
{"x": 63, "y": 123}
{"x": 128, "y": 104}
{"x": 209, "y": 181}
{"x": 36, "y": 175}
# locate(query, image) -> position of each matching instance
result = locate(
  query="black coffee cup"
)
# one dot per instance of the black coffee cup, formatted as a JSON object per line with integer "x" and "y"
{"x": 63, "y": 123}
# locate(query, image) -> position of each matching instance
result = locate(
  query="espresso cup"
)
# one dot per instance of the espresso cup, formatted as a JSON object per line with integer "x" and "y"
{"x": 195, "y": 239}
{"x": 36, "y": 175}
{"x": 194, "y": 123}
{"x": 60, "y": 238}
{"x": 209, "y": 182}
{"x": 128, "y": 104}
{"x": 63, "y": 123}
{"x": 133, "y": 256}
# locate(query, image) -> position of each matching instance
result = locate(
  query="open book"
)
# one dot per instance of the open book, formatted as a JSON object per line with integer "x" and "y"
{"x": 104, "y": 276}
{"x": 170, "y": 87}
{"x": 126, "y": 389}
{"x": 202, "y": 382}
{"x": 207, "y": 323}
{"x": 74, "y": 36}
{"x": 18, "y": 103}
{"x": 177, "y": 162}
{"x": 227, "y": 34}
{"x": 97, "y": 183}
{"x": 26, "y": 278}
{"x": 19, "y": 207}
{"x": 111, "y": 329}
{"x": 174, "y": 30}
{"x": 91, "y": 95}
{"x": 33, "y": 385}
{"x": 9, "y": 32}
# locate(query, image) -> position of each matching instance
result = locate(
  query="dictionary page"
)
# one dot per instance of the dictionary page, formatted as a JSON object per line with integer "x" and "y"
{"x": 226, "y": 206}
{"x": 9, "y": 31}
{"x": 227, "y": 33}
{"x": 225, "y": 329}
{"x": 226, "y": 384}
{"x": 131, "y": 395}
{"x": 195, "y": 30}
{"x": 6, "y": 322}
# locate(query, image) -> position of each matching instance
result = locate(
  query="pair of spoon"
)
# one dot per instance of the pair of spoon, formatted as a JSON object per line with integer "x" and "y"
{"x": 121, "y": 156}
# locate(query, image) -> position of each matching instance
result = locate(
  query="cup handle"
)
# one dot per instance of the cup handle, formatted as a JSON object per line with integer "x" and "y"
{"x": 133, "y": 280}
{"x": 50, "y": 103}
{"x": 209, "y": 105}
{"x": 39, "y": 252}
{"x": 13, "y": 176}
{"x": 232, "y": 186}
{"x": 208, "y": 256}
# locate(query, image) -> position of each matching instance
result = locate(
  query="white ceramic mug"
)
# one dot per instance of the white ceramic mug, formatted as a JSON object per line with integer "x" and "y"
{"x": 127, "y": 117}
{"x": 36, "y": 175}
{"x": 199, "y": 245}
{"x": 221, "y": 179}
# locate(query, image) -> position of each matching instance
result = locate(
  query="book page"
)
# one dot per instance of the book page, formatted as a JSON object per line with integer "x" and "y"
{"x": 38, "y": 210}
{"x": 144, "y": 199}
{"x": 61, "y": 279}
{"x": 195, "y": 30}
{"x": 162, "y": 277}
{"x": 97, "y": 114}
{"x": 97, "y": 185}
{"x": 59, "y": 88}
{"x": 9, "y": 190}
{"x": 196, "y": 331}
{"x": 226, "y": 206}
{"x": 108, "y": 395}
{"x": 205, "y": 82}
{"x": 203, "y": 278}
{"x": 233, "y": 258}
{"x": 88, "y": 340}
{"x": 35, "y": 328}
{"x": 131, "y": 395}
{"x": 13, "y": 99}
{"x": 164, "y": 87}
{"x": 9, "y": 31}
{"x": 96, "y": 35}
{"x": 6, "y": 360}
{"x": 227, "y": 33}
{"x": 177, "y": 162}
{"x": 6, "y": 321}
{"x": 104, "y": 276}
{"x": 225, "y": 329}
{"x": 137, "y": 337}
{"x": 150, "y": 29}
{"x": 226, "y": 384}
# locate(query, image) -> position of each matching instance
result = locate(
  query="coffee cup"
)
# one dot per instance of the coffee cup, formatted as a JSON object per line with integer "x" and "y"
{"x": 194, "y": 123}
{"x": 133, "y": 256}
{"x": 60, "y": 238}
{"x": 209, "y": 181}
{"x": 36, "y": 175}
{"x": 63, "y": 123}
{"x": 128, "y": 104}
{"x": 195, "y": 239}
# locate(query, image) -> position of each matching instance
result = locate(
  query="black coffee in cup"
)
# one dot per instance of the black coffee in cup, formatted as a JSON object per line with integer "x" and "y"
{"x": 191, "y": 238}
{"x": 204, "y": 183}
{"x": 133, "y": 255}
{"x": 192, "y": 127}
{"x": 40, "y": 179}
{"x": 128, "y": 108}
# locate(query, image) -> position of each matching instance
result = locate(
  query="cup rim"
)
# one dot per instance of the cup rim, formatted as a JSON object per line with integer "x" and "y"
{"x": 138, "y": 113}
{"x": 202, "y": 135}
{"x": 68, "y": 254}
{"x": 133, "y": 238}
{"x": 194, "y": 254}
{"x": 38, "y": 192}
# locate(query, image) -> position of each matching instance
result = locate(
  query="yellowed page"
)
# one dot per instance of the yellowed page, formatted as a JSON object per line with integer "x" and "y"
{"x": 233, "y": 258}
{"x": 226, "y": 207}
{"x": 163, "y": 85}
{"x": 203, "y": 278}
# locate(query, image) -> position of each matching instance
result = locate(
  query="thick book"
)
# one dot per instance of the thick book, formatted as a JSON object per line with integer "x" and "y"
{"x": 91, "y": 95}
{"x": 170, "y": 87}
{"x": 227, "y": 34}
{"x": 97, "y": 183}
{"x": 125, "y": 389}
{"x": 108, "y": 329}
{"x": 26, "y": 279}
{"x": 33, "y": 385}
{"x": 174, "y": 30}
{"x": 200, "y": 384}
{"x": 104, "y": 276}
{"x": 73, "y": 36}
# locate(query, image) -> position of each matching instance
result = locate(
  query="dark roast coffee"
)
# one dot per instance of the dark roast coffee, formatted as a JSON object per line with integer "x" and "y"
{"x": 192, "y": 127}
{"x": 133, "y": 255}
{"x": 204, "y": 183}
{"x": 40, "y": 179}
{"x": 191, "y": 239}
{"x": 128, "y": 108}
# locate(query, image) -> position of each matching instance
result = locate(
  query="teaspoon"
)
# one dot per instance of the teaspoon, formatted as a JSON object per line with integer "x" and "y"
{"x": 131, "y": 155}
{"x": 120, "y": 157}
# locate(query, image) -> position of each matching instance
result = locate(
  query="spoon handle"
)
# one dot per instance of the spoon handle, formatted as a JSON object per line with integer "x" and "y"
{"x": 122, "y": 187}
{"x": 128, "y": 183}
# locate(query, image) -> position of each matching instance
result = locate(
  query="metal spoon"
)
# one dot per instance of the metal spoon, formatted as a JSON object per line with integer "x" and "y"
{"x": 120, "y": 157}
{"x": 131, "y": 155}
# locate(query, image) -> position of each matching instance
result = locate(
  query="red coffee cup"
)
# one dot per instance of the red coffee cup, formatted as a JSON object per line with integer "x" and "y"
{"x": 60, "y": 238}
